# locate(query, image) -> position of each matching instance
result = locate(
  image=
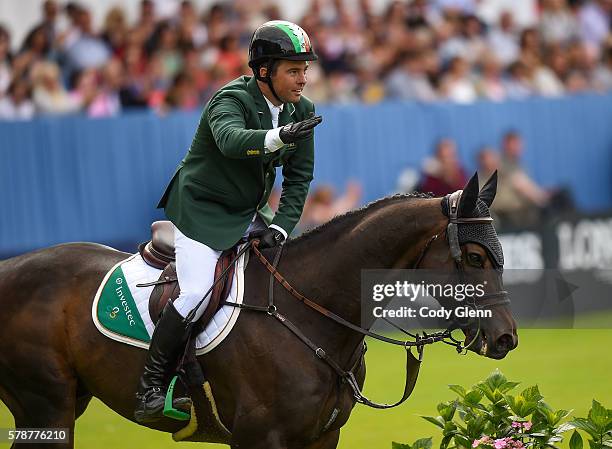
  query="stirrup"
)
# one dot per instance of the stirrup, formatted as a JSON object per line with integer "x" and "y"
{"x": 169, "y": 410}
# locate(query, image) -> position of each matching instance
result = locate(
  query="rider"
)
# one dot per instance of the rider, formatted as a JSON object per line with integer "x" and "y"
{"x": 219, "y": 192}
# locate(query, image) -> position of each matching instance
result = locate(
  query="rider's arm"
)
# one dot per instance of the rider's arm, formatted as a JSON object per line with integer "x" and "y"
{"x": 297, "y": 174}
{"x": 226, "y": 116}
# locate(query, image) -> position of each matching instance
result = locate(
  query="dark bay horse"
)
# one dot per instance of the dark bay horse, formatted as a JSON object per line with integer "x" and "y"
{"x": 271, "y": 390}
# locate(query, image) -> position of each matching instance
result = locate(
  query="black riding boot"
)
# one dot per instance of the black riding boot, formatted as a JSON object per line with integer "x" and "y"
{"x": 169, "y": 338}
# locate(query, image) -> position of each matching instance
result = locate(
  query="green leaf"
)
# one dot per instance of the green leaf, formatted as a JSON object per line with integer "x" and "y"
{"x": 595, "y": 445}
{"x": 561, "y": 414}
{"x": 437, "y": 421}
{"x": 462, "y": 441}
{"x": 449, "y": 428}
{"x": 586, "y": 425}
{"x": 458, "y": 389}
{"x": 476, "y": 426}
{"x": 598, "y": 415}
{"x": 532, "y": 394}
{"x": 447, "y": 411}
{"x": 395, "y": 445}
{"x": 576, "y": 441}
{"x": 422, "y": 443}
{"x": 508, "y": 386}
{"x": 473, "y": 397}
{"x": 495, "y": 380}
{"x": 447, "y": 439}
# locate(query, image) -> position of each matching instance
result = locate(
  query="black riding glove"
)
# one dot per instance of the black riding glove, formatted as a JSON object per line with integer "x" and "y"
{"x": 268, "y": 238}
{"x": 294, "y": 132}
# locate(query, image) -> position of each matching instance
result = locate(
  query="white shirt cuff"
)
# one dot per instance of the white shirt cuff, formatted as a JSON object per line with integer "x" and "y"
{"x": 278, "y": 228}
{"x": 273, "y": 141}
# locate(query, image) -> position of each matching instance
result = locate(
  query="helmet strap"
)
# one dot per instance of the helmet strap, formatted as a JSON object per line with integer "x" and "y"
{"x": 268, "y": 78}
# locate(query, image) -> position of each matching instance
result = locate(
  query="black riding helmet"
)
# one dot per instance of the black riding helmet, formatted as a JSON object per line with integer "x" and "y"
{"x": 275, "y": 40}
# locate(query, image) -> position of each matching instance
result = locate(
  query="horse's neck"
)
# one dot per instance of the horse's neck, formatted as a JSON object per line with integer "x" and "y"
{"x": 388, "y": 235}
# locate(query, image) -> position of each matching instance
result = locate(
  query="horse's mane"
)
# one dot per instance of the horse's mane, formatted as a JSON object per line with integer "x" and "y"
{"x": 357, "y": 213}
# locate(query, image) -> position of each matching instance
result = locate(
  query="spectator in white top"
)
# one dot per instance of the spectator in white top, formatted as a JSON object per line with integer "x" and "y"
{"x": 456, "y": 84}
{"x": 557, "y": 23}
{"x": 49, "y": 94}
{"x": 490, "y": 84}
{"x": 503, "y": 40}
{"x": 17, "y": 105}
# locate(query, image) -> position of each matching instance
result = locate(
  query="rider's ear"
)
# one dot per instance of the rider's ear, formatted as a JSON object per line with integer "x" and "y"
{"x": 469, "y": 197}
{"x": 488, "y": 191}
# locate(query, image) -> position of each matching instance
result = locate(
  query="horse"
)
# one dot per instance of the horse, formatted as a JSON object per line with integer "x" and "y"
{"x": 271, "y": 390}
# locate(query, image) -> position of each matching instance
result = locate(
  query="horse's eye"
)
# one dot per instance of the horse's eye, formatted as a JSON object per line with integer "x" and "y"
{"x": 475, "y": 260}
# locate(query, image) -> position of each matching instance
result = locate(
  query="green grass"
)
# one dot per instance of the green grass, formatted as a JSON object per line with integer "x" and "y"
{"x": 570, "y": 366}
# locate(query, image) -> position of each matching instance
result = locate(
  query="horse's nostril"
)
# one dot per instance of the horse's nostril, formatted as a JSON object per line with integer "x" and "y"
{"x": 505, "y": 343}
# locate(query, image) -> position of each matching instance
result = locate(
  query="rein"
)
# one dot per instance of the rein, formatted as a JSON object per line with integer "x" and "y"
{"x": 419, "y": 340}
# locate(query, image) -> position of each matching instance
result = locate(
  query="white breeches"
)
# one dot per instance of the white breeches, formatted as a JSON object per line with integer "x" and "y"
{"x": 195, "y": 269}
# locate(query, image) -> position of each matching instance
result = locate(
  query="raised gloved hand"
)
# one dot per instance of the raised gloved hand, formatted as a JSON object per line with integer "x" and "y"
{"x": 268, "y": 238}
{"x": 294, "y": 132}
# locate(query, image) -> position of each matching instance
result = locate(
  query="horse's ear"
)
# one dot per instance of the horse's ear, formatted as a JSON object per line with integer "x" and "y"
{"x": 469, "y": 197}
{"x": 488, "y": 191}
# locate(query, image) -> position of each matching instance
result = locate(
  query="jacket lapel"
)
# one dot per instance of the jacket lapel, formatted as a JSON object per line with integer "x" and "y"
{"x": 265, "y": 118}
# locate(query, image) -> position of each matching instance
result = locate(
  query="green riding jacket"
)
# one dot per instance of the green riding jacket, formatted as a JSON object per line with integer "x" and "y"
{"x": 226, "y": 177}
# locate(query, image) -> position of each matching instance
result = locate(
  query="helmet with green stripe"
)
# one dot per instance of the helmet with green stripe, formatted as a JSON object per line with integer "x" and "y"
{"x": 280, "y": 39}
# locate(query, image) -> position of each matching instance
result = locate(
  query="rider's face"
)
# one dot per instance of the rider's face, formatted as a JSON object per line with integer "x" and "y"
{"x": 289, "y": 80}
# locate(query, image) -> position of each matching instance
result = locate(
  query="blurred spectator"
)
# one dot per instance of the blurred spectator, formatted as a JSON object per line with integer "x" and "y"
{"x": 517, "y": 84}
{"x": 165, "y": 54}
{"x": 519, "y": 200}
{"x": 602, "y": 76}
{"x": 557, "y": 23}
{"x": 182, "y": 94}
{"x": 115, "y": 31}
{"x": 17, "y": 104}
{"x": 35, "y": 48}
{"x": 5, "y": 60}
{"x": 490, "y": 84}
{"x": 503, "y": 41}
{"x": 443, "y": 173}
{"x": 322, "y": 204}
{"x": 488, "y": 162}
{"x": 107, "y": 102}
{"x": 409, "y": 81}
{"x": 457, "y": 84}
{"x": 50, "y": 96}
{"x": 594, "y": 18}
{"x": 86, "y": 49}
{"x": 191, "y": 31}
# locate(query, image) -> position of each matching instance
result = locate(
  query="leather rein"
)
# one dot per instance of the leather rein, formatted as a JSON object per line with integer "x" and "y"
{"x": 419, "y": 340}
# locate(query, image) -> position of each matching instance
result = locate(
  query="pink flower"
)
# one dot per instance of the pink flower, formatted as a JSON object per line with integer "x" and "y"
{"x": 517, "y": 444}
{"x": 527, "y": 425}
{"x": 484, "y": 440}
{"x": 500, "y": 443}
{"x": 516, "y": 424}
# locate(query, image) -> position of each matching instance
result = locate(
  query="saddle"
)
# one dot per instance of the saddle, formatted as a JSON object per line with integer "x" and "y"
{"x": 159, "y": 253}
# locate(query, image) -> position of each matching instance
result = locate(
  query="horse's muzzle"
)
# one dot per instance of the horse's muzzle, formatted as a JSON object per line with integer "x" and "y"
{"x": 492, "y": 347}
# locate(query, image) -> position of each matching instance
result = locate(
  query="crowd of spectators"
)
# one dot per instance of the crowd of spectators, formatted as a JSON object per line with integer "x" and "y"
{"x": 436, "y": 50}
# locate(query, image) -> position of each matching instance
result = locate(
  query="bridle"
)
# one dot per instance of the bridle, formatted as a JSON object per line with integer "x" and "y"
{"x": 419, "y": 341}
